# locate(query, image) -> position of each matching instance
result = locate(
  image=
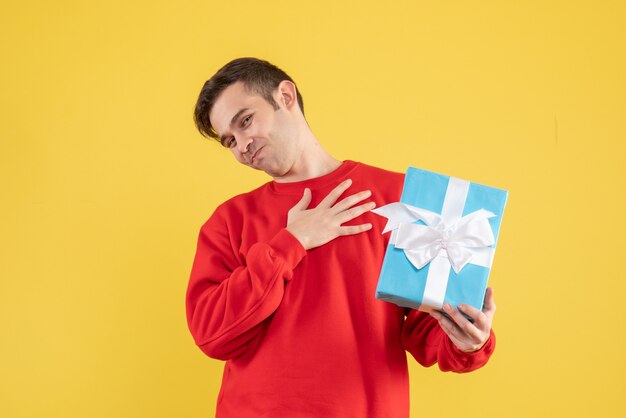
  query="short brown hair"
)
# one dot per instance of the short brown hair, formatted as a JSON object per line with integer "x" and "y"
{"x": 257, "y": 75}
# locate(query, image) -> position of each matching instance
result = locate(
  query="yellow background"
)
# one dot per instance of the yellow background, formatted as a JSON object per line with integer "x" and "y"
{"x": 105, "y": 183}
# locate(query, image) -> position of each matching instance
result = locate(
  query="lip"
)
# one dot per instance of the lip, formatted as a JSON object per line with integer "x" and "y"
{"x": 253, "y": 158}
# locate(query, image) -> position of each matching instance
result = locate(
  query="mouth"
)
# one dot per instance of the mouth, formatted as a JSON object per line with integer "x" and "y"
{"x": 253, "y": 158}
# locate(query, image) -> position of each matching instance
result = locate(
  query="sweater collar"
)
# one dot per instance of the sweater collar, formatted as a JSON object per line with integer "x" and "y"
{"x": 333, "y": 177}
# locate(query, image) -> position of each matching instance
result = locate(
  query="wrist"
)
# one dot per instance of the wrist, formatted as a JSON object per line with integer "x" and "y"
{"x": 286, "y": 245}
{"x": 472, "y": 349}
{"x": 300, "y": 237}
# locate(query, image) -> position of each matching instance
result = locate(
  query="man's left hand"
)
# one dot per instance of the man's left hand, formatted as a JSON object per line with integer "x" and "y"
{"x": 468, "y": 336}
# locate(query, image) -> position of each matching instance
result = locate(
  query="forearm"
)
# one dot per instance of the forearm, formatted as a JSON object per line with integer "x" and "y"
{"x": 226, "y": 309}
{"x": 428, "y": 344}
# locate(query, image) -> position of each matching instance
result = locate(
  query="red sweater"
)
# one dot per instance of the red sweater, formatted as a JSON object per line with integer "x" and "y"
{"x": 301, "y": 331}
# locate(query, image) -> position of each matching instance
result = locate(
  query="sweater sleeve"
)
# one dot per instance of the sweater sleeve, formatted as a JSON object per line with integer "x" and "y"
{"x": 231, "y": 294}
{"x": 428, "y": 344}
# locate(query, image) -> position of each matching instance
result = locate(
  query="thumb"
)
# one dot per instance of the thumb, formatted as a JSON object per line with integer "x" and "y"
{"x": 489, "y": 307}
{"x": 304, "y": 202}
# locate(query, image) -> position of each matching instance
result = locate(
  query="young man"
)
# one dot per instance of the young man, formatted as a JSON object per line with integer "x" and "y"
{"x": 283, "y": 282}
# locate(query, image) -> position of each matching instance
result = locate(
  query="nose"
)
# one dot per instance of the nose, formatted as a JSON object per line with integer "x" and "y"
{"x": 243, "y": 144}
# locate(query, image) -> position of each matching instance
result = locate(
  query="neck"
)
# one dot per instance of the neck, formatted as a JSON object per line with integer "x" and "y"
{"x": 312, "y": 161}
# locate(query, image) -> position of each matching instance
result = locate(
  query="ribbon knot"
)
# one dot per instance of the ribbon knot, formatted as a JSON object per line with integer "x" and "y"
{"x": 463, "y": 240}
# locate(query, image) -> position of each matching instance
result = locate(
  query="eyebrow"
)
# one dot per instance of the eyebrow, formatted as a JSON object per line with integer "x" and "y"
{"x": 234, "y": 120}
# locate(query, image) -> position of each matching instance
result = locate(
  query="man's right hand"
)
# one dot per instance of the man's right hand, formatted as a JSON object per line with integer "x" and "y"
{"x": 317, "y": 226}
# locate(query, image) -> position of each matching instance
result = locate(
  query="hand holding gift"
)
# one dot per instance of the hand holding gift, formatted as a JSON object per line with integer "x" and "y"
{"x": 468, "y": 336}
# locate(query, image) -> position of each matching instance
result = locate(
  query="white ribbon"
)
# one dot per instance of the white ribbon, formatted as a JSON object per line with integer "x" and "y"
{"x": 446, "y": 240}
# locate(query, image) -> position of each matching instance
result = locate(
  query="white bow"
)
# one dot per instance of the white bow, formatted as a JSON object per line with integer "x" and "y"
{"x": 464, "y": 240}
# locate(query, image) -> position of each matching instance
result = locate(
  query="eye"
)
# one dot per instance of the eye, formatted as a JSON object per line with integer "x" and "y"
{"x": 229, "y": 142}
{"x": 246, "y": 121}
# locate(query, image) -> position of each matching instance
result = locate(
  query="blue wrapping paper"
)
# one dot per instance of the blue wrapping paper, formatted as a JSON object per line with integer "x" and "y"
{"x": 400, "y": 282}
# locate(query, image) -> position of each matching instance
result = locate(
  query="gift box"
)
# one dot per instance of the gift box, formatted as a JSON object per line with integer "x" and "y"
{"x": 444, "y": 232}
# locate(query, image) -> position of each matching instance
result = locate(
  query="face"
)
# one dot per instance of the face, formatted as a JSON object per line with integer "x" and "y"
{"x": 257, "y": 135}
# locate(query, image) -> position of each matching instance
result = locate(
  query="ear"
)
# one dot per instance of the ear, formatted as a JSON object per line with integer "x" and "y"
{"x": 287, "y": 95}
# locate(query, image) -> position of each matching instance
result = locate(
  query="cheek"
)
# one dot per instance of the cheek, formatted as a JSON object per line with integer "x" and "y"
{"x": 238, "y": 156}
{"x": 257, "y": 130}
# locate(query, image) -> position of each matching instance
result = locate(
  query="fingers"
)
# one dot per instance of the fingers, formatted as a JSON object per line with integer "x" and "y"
{"x": 446, "y": 324}
{"x": 481, "y": 321}
{"x": 354, "y": 229}
{"x": 452, "y": 330}
{"x": 316, "y": 226}
{"x": 463, "y": 323}
{"x": 334, "y": 194}
{"x": 489, "y": 307}
{"x": 350, "y": 201}
{"x": 354, "y": 212}
{"x": 303, "y": 204}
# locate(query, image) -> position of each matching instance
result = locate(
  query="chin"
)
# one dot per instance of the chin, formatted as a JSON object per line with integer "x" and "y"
{"x": 274, "y": 172}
